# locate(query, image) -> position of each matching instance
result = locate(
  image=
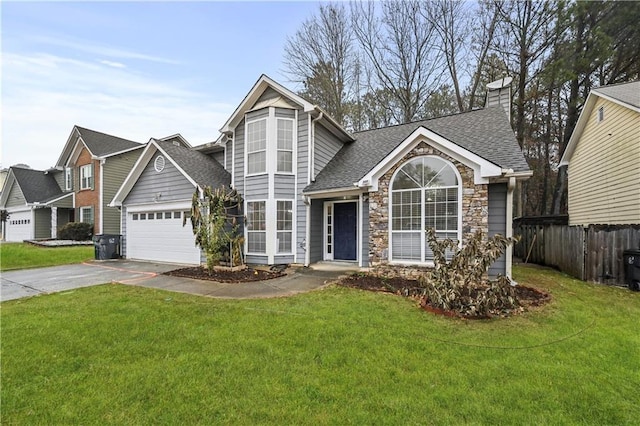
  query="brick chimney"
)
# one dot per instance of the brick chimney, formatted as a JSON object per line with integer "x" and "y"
{"x": 499, "y": 93}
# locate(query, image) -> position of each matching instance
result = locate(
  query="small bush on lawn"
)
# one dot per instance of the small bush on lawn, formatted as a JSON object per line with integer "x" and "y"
{"x": 461, "y": 284}
{"x": 78, "y": 231}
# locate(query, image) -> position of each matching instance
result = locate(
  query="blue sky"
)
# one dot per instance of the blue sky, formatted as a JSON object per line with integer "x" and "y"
{"x": 134, "y": 70}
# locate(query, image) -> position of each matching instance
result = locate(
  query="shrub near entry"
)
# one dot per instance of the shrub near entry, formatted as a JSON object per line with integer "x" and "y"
{"x": 77, "y": 231}
{"x": 461, "y": 284}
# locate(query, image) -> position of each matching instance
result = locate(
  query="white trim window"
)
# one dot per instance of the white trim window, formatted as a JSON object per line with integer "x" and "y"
{"x": 284, "y": 226}
{"x": 426, "y": 193}
{"x": 257, "y": 146}
{"x": 86, "y": 176}
{"x": 256, "y": 227}
{"x": 86, "y": 214}
{"x": 68, "y": 178}
{"x": 284, "y": 145}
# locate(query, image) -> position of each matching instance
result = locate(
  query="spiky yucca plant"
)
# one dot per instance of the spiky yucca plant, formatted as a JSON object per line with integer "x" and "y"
{"x": 461, "y": 284}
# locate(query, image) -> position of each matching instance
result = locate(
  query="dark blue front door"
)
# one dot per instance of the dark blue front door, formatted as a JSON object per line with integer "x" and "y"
{"x": 345, "y": 224}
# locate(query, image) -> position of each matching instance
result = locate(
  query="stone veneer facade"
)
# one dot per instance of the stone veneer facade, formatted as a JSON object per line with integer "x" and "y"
{"x": 475, "y": 207}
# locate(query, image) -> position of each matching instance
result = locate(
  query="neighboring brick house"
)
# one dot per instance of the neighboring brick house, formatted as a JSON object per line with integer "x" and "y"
{"x": 92, "y": 166}
{"x": 315, "y": 192}
{"x": 603, "y": 155}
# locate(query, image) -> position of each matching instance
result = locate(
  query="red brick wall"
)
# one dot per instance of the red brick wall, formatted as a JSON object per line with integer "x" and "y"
{"x": 87, "y": 197}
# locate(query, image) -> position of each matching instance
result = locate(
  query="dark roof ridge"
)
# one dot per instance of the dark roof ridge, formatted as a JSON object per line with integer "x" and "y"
{"x": 453, "y": 114}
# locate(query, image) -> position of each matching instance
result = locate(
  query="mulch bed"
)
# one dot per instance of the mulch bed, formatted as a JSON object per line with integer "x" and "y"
{"x": 225, "y": 276}
{"x": 528, "y": 297}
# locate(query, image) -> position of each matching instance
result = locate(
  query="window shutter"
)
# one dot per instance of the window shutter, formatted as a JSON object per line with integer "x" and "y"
{"x": 93, "y": 178}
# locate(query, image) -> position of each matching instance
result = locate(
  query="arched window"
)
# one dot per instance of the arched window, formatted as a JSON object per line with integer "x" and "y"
{"x": 425, "y": 193}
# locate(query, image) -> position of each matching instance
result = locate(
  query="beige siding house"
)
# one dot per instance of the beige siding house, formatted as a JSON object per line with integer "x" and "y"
{"x": 603, "y": 158}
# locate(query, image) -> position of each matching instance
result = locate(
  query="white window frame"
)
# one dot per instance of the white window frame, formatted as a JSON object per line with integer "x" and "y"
{"x": 279, "y": 149}
{"x": 82, "y": 215}
{"x": 86, "y": 181}
{"x": 265, "y": 150}
{"x": 261, "y": 231}
{"x": 423, "y": 243}
{"x": 284, "y": 231}
{"x": 68, "y": 178}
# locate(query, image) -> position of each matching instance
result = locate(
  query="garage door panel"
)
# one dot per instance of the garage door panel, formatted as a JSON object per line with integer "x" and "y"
{"x": 161, "y": 239}
{"x": 19, "y": 226}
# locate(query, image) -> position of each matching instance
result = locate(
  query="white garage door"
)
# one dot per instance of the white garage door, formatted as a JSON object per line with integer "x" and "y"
{"x": 159, "y": 235}
{"x": 19, "y": 226}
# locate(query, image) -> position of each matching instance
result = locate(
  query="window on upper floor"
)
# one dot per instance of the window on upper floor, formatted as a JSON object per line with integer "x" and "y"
{"x": 68, "y": 179}
{"x": 86, "y": 176}
{"x": 285, "y": 145}
{"x": 257, "y": 146}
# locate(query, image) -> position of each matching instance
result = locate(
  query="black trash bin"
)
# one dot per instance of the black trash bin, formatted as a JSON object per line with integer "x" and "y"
{"x": 631, "y": 259}
{"x": 107, "y": 246}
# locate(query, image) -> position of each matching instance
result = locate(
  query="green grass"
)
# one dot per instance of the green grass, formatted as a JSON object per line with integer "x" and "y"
{"x": 117, "y": 354}
{"x": 22, "y": 255}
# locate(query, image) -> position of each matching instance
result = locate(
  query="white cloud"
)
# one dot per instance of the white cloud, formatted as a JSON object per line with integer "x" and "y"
{"x": 45, "y": 95}
{"x": 113, "y": 64}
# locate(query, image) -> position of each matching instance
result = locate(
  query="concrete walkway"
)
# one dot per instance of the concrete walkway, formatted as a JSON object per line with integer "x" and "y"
{"x": 31, "y": 282}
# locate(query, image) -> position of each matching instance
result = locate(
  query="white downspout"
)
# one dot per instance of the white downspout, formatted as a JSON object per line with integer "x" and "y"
{"x": 100, "y": 197}
{"x": 509, "y": 253}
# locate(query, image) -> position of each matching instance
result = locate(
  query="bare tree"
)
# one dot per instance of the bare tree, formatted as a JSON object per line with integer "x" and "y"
{"x": 400, "y": 45}
{"x": 321, "y": 56}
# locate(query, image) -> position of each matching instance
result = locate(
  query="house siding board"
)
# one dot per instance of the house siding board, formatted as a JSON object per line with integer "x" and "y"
{"x": 285, "y": 113}
{"x": 284, "y": 187}
{"x": 256, "y": 259}
{"x": 317, "y": 224}
{"x": 42, "y": 219}
{"x": 498, "y": 222}
{"x": 228, "y": 159}
{"x": 115, "y": 171}
{"x": 283, "y": 260}
{"x": 170, "y": 183}
{"x": 268, "y": 95}
{"x": 302, "y": 167}
{"x": 239, "y": 158}
{"x": 58, "y": 175}
{"x": 255, "y": 115}
{"x": 256, "y": 187}
{"x": 15, "y": 198}
{"x": 604, "y": 179}
{"x": 325, "y": 148}
{"x": 65, "y": 203}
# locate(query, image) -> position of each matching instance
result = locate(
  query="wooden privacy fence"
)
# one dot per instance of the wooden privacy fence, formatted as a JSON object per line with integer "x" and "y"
{"x": 590, "y": 254}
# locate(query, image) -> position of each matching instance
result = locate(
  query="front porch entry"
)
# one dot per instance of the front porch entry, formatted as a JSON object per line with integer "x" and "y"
{"x": 341, "y": 230}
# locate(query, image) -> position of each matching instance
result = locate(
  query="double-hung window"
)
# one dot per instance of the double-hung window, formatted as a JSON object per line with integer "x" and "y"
{"x": 256, "y": 227}
{"x": 284, "y": 226}
{"x": 86, "y": 214}
{"x": 425, "y": 193}
{"x": 86, "y": 176}
{"x": 285, "y": 145}
{"x": 257, "y": 146}
{"x": 68, "y": 178}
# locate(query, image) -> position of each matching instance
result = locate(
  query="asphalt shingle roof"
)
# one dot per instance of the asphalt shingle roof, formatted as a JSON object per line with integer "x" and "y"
{"x": 628, "y": 93}
{"x": 36, "y": 186}
{"x": 102, "y": 144}
{"x": 486, "y": 132}
{"x": 203, "y": 169}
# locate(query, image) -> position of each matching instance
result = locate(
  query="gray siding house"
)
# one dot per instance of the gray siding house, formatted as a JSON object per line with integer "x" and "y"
{"x": 314, "y": 192}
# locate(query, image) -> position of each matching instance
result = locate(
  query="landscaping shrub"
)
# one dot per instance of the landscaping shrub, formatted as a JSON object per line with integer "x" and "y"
{"x": 462, "y": 284}
{"x": 78, "y": 231}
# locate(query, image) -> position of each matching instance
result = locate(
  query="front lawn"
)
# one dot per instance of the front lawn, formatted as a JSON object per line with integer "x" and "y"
{"x": 22, "y": 255}
{"x": 118, "y": 354}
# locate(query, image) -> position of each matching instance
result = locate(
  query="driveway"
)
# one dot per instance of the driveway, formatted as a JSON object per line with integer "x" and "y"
{"x": 31, "y": 282}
